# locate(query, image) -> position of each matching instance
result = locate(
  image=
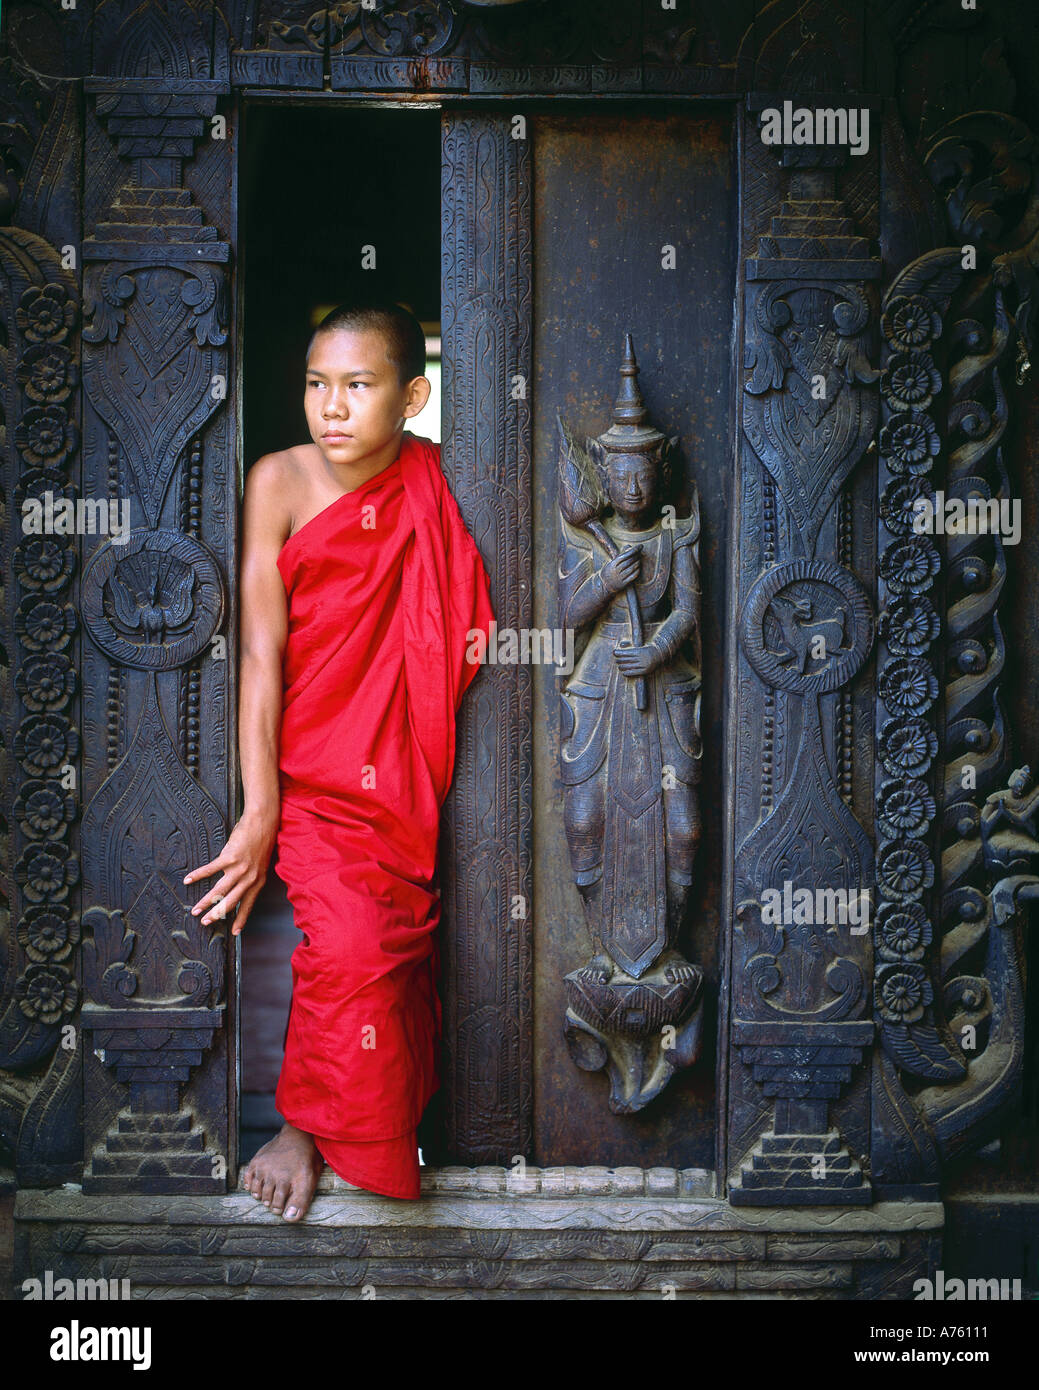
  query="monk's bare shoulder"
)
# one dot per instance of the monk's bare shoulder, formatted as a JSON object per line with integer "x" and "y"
{"x": 276, "y": 492}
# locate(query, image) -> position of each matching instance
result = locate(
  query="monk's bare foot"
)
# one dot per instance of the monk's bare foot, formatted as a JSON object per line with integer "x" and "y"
{"x": 283, "y": 1174}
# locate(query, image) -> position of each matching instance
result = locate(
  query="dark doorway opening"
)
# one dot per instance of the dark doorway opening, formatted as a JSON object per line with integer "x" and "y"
{"x": 317, "y": 188}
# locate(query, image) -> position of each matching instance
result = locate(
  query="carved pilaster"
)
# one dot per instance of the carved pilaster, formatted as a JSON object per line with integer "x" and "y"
{"x": 155, "y": 373}
{"x": 488, "y": 894}
{"x": 803, "y": 861}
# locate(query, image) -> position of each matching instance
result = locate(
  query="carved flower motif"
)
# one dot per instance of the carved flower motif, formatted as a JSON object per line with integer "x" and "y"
{"x": 898, "y": 504}
{"x": 910, "y": 321}
{"x": 47, "y": 872}
{"x": 906, "y": 808}
{"x": 45, "y": 683}
{"x": 907, "y": 747}
{"x": 904, "y": 870}
{"x": 909, "y": 443}
{"x": 45, "y": 742}
{"x": 910, "y": 626}
{"x": 45, "y": 436}
{"x": 903, "y": 931}
{"x": 44, "y": 563}
{"x": 43, "y": 809}
{"x": 908, "y": 685}
{"x": 45, "y": 993}
{"x": 45, "y": 314}
{"x": 48, "y": 373}
{"x": 910, "y": 567}
{"x": 48, "y": 933}
{"x": 43, "y": 625}
{"x": 901, "y": 993}
{"x": 911, "y": 381}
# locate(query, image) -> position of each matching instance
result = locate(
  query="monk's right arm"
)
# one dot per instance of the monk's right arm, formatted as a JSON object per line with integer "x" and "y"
{"x": 263, "y": 633}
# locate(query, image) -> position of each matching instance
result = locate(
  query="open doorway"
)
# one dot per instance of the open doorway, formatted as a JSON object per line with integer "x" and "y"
{"x": 318, "y": 185}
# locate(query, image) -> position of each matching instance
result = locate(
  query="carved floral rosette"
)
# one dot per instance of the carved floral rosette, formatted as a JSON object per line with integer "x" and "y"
{"x": 40, "y": 742}
{"x": 909, "y": 1024}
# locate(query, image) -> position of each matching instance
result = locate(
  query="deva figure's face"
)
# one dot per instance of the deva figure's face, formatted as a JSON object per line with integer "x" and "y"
{"x": 633, "y": 485}
{"x": 354, "y": 402}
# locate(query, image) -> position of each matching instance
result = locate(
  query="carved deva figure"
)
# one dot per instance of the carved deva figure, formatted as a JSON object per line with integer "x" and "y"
{"x": 630, "y": 748}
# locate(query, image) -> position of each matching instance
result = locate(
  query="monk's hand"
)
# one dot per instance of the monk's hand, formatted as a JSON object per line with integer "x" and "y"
{"x": 636, "y": 661}
{"x": 622, "y": 570}
{"x": 243, "y": 866}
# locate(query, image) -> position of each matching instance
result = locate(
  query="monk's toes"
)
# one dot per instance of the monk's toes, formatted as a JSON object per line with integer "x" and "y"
{"x": 300, "y": 1196}
{"x": 281, "y": 1193}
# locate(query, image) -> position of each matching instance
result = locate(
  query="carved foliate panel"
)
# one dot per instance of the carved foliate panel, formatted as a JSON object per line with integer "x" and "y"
{"x": 875, "y": 504}
{"x": 803, "y": 860}
{"x": 155, "y": 600}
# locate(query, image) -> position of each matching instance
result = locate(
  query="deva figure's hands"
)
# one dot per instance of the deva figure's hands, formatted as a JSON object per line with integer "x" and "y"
{"x": 622, "y": 570}
{"x": 637, "y": 661}
{"x": 244, "y": 860}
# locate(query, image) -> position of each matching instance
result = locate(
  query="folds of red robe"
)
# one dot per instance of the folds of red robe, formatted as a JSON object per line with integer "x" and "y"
{"x": 385, "y": 589}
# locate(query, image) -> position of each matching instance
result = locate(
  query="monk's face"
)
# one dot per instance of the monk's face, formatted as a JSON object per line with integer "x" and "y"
{"x": 354, "y": 402}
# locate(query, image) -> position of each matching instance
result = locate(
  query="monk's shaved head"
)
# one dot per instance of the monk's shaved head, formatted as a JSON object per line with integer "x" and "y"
{"x": 405, "y": 340}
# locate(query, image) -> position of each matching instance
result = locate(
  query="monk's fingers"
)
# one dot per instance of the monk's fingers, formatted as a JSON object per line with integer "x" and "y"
{"x": 205, "y": 870}
{"x": 244, "y": 908}
{"x": 241, "y": 894}
{"x": 219, "y": 896}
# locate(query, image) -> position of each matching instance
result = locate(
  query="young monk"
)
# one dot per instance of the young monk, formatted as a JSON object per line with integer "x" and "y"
{"x": 359, "y": 585}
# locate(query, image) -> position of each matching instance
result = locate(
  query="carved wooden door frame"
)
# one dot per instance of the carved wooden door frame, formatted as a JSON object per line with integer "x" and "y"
{"x": 119, "y": 723}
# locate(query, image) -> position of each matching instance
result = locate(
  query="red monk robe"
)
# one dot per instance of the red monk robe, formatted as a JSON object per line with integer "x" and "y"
{"x": 383, "y": 587}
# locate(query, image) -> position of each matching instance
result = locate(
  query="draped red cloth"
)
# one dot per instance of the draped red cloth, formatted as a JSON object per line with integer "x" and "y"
{"x": 383, "y": 587}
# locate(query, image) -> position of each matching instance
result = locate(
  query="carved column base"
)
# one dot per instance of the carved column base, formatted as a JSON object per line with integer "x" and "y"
{"x": 800, "y": 1170}
{"x": 154, "y": 1146}
{"x": 153, "y": 1153}
{"x": 801, "y": 1161}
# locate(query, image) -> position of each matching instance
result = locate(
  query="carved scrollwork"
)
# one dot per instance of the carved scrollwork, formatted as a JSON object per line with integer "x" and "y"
{"x": 173, "y": 319}
{"x": 395, "y": 28}
{"x": 963, "y": 1030}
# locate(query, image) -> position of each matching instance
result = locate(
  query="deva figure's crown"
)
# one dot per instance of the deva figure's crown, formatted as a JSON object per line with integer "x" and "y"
{"x": 630, "y": 433}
